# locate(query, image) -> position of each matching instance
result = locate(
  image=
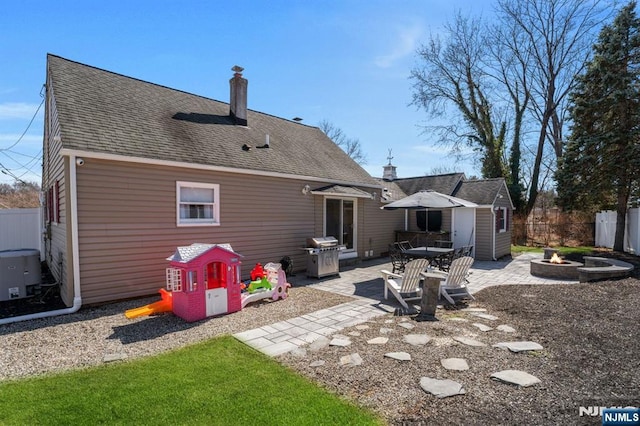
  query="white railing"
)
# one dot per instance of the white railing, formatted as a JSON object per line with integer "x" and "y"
{"x": 21, "y": 229}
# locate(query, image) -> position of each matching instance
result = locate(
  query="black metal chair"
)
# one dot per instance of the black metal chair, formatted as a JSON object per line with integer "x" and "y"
{"x": 398, "y": 259}
{"x": 404, "y": 245}
{"x": 443, "y": 244}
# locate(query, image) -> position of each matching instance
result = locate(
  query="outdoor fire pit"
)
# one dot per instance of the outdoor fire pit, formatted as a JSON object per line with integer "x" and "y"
{"x": 556, "y": 268}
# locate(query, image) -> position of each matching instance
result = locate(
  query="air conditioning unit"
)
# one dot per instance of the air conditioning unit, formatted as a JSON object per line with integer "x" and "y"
{"x": 19, "y": 269}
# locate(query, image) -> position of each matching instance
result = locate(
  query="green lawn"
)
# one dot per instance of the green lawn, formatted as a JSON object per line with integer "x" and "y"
{"x": 218, "y": 382}
{"x": 562, "y": 251}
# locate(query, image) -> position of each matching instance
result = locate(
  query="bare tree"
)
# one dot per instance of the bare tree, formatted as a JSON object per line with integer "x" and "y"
{"x": 454, "y": 73}
{"x": 351, "y": 146}
{"x": 555, "y": 38}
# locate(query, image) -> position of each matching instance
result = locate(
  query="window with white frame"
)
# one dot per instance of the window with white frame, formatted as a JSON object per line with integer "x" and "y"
{"x": 198, "y": 204}
{"x": 502, "y": 219}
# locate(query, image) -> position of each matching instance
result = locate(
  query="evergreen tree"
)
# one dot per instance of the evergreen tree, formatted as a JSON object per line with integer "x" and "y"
{"x": 601, "y": 164}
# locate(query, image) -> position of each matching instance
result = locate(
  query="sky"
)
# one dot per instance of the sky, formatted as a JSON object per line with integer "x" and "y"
{"x": 343, "y": 61}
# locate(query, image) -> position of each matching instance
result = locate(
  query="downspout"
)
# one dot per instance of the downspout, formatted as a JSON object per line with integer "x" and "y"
{"x": 493, "y": 234}
{"x": 77, "y": 299}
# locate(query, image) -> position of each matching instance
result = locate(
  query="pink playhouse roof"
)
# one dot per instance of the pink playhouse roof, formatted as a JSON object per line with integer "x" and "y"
{"x": 186, "y": 254}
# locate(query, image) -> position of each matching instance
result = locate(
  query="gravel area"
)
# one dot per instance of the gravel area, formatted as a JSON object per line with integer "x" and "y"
{"x": 591, "y": 357}
{"x": 88, "y": 336}
{"x": 589, "y": 332}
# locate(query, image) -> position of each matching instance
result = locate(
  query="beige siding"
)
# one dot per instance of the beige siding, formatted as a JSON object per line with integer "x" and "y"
{"x": 485, "y": 228}
{"x": 379, "y": 228}
{"x": 56, "y": 238}
{"x": 127, "y": 223}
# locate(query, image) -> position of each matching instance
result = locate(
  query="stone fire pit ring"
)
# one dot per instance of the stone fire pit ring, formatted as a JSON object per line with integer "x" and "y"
{"x": 544, "y": 268}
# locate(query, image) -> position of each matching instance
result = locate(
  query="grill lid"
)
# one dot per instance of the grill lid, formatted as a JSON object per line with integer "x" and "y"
{"x": 322, "y": 242}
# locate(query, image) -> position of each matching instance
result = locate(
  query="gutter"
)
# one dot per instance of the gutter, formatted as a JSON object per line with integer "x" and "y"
{"x": 77, "y": 299}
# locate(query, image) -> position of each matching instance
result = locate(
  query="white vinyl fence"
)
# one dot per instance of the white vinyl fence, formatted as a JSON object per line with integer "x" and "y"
{"x": 21, "y": 229}
{"x": 606, "y": 230}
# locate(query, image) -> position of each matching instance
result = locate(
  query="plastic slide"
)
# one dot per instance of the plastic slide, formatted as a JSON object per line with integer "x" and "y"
{"x": 164, "y": 305}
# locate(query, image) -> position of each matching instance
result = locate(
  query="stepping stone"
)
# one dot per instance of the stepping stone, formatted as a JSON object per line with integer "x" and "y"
{"x": 114, "y": 357}
{"x": 482, "y": 327}
{"x": 417, "y": 339}
{"x": 319, "y": 343}
{"x": 407, "y": 325}
{"x": 506, "y": 328}
{"x": 353, "y": 359}
{"x": 384, "y": 330}
{"x": 516, "y": 377}
{"x": 362, "y": 327}
{"x": 485, "y": 316}
{"x": 299, "y": 352}
{"x": 458, "y": 319}
{"x": 469, "y": 341}
{"x": 441, "y": 388}
{"x": 340, "y": 342}
{"x": 457, "y": 364}
{"x": 473, "y": 310}
{"x": 400, "y": 356}
{"x": 354, "y": 333}
{"x": 317, "y": 363}
{"x": 519, "y": 346}
{"x": 378, "y": 341}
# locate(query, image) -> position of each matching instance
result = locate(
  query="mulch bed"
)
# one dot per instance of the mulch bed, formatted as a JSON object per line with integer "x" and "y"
{"x": 591, "y": 357}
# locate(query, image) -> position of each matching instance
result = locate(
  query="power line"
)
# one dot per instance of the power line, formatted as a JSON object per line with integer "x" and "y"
{"x": 27, "y": 129}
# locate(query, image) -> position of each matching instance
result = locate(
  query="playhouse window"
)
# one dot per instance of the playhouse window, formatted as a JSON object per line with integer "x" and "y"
{"x": 192, "y": 278}
{"x": 174, "y": 279}
{"x": 198, "y": 204}
{"x": 216, "y": 275}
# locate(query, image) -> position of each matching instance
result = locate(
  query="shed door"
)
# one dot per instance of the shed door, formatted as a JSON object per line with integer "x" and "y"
{"x": 464, "y": 219}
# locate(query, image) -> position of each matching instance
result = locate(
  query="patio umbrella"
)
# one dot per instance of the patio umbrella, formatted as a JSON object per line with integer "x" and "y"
{"x": 428, "y": 199}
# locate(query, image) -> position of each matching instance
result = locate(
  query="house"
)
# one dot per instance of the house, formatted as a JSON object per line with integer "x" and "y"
{"x": 486, "y": 227}
{"x": 133, "y": 170}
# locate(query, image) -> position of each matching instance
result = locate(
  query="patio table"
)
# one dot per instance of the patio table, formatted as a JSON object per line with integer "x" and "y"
{"x": 426, "y": 252}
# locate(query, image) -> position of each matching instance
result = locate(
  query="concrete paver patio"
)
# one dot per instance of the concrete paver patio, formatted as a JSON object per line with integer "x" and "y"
{"x": 364, "y": 283}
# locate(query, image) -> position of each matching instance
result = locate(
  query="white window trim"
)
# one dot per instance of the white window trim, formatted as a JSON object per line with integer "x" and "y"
{"x": 216, "y": 204}
{"x": 347, "y": 253}
{"x": 503, "y": 225}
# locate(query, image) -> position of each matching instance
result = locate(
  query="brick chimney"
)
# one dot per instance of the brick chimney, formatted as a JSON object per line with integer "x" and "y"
{"x": 238, "y": 102}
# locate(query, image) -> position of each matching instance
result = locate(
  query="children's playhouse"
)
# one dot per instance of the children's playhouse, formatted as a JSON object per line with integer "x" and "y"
{"x": 203, "y": 280}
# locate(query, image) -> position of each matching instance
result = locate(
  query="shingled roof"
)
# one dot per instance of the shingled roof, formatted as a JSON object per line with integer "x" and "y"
{"x": 481, "y": 192}
{"x": 104, "y": 112}
{"x": 444, "y": 184}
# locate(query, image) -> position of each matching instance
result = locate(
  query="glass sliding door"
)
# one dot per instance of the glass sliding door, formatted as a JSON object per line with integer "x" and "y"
{"x": 340, "y": 221}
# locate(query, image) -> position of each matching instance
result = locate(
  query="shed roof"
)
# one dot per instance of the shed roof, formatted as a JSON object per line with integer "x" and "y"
{"x": 445, "y": 183}
{"x": 108, "y": 113}
{"x": 482, "y": 191}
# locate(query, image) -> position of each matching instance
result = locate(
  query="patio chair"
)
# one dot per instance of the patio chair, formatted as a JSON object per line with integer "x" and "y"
{"x": 405, "y": 286}
{"x": 467, "y": 250}
{"x": 398, "y": 259}
{"x": 404, "y": 245}
{"x": 444, "y": 262}
{"x": 443, "y": 244}
{"x": 455, "y": 285}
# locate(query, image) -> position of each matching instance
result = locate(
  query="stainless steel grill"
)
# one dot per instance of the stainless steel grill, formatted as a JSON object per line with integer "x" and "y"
{"x": 322, "y": 256}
